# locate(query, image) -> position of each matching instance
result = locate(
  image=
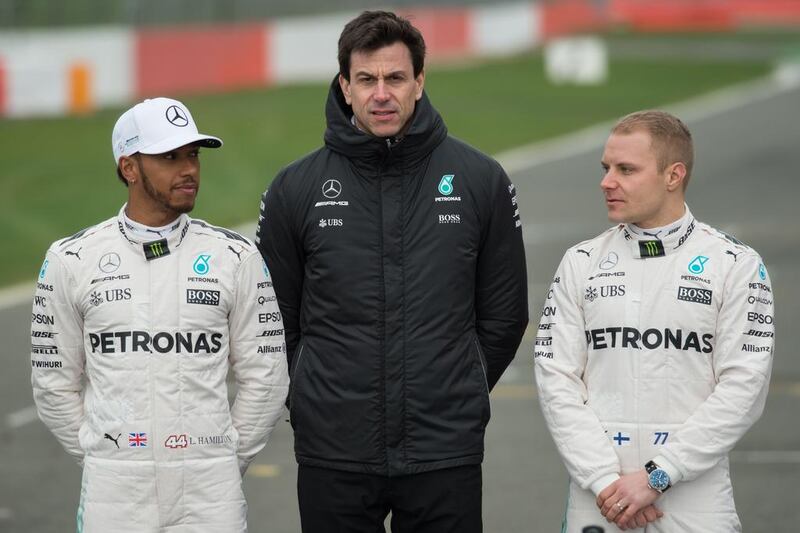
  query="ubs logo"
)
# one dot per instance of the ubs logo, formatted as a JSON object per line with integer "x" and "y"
{"x": 331, "y": 189}
{"x": 177, "y": 116}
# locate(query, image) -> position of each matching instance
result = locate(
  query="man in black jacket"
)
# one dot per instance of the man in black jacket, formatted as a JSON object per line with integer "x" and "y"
{"x": 397, "y": 257}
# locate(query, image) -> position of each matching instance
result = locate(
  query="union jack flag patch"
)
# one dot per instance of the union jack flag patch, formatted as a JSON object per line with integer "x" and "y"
{"x": 137, "y": 440}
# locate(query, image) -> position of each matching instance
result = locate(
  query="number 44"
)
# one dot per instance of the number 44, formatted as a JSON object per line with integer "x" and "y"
{"x": 661, "y": 437}
{"x": 176, "y": 441}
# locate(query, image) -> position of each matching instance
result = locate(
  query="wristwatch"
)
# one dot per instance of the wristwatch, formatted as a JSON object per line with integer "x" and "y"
{"x": 657, "y": 477}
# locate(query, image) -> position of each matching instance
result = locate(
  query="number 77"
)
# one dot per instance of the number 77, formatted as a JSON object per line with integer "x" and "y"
{"x": 661, "y": 436}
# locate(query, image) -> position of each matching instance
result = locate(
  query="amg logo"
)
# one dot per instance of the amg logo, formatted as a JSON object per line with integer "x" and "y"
{"x": 202, "y": 296}
{"x": 692, "y": 294}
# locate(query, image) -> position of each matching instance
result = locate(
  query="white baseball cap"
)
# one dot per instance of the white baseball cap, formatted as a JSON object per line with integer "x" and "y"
{"x": 156, "y": 126}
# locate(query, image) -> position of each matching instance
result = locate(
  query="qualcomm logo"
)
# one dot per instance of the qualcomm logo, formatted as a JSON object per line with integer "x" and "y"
{"x": 698, "y": 264}
{"x": 200, "y": 265}
{"x": 446, "y": 184}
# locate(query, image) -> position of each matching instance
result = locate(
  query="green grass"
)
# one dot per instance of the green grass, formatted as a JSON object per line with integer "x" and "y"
{"x": 57, "y": 175}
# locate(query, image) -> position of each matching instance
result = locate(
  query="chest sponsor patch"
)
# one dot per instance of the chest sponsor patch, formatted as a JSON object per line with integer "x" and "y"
{"x": 695, "y": 295}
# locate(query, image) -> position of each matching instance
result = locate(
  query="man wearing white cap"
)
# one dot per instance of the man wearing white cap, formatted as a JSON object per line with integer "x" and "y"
{"x": 135, "y": 324}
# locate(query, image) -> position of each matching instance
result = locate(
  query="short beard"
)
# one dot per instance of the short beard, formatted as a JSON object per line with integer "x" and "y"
{"x": 159, "y": 198}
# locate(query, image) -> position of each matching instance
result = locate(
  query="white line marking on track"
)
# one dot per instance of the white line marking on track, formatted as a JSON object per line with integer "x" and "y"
{"x": 760, "y": 457}
{"x": 22, "y": 417}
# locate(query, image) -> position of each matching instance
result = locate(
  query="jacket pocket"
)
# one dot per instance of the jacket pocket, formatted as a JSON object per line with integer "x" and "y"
{"x": 485, "y": 380}
{"x": 293, "y": 378}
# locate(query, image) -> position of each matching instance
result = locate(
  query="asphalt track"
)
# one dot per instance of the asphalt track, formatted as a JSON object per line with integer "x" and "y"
{"x": 745, "y": 182}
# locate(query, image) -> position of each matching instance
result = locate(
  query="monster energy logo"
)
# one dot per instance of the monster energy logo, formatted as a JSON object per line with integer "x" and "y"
{"x": 156, "y": 249}
{"x": 651, "y": 248}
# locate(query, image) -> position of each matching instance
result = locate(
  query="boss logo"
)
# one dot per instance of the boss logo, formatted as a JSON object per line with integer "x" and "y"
{"x": 202, "y": 296}
{"x": 693, "y": 294}
{"x": 450, "y": 219}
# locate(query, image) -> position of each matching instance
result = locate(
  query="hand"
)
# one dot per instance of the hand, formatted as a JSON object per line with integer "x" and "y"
{"x": 628, "y": 501}
{"x": 651, "y": 513}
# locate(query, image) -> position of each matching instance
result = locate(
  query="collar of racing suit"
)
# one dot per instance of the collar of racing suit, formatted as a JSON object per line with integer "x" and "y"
{"x": 646, "y": 246}
{"x": 137, "y": 235}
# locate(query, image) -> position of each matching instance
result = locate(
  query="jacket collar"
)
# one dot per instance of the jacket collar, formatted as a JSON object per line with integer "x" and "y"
{"x": 154, "y": 248}
{"x": 645, "y": 246}
{"x": 368, "y": 152}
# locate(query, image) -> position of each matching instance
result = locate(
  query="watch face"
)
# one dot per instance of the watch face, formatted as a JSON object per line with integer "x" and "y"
{"x": 659, "y": 479}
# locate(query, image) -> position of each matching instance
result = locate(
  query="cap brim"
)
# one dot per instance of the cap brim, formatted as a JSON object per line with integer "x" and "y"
{"x": 178, "y": 141}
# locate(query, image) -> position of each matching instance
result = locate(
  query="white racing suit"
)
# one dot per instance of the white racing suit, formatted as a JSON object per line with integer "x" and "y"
{"x": 655, "y": 350}
{"x": 131, "y": 345}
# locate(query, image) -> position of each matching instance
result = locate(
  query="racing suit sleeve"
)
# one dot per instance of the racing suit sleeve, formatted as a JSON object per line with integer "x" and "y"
{"x": 57, "y": 355}
{"x": 560, "y": 358}
{"x": 258, "y": 359}
{"x": 501, "y": 287}
{"x": 742, "y": 365}
{"x": 283, "y": 254}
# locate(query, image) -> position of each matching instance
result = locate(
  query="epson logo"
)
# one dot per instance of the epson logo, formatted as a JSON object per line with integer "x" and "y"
{"x": 760, "y": 318}
{"x": 202, "y": 296}
{"x": 548, "y": 310}
{"x": 38, "y": 318}
{"x": 161, "y": 342}
{"x": 450, "y": 219}
{"x": 693, "y": 294}
{"x": 264, "y": 318}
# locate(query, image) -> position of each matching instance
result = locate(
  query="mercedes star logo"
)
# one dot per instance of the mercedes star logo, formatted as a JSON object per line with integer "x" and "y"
{"x": 610, "y": 261}
{"x": 331, "y": 189}
{"x": 177, "y": 116}
{"x": 109, "y": 262}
